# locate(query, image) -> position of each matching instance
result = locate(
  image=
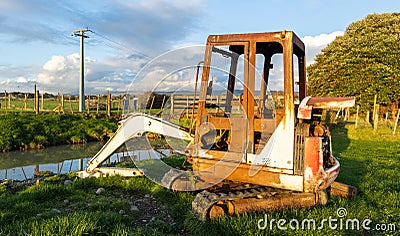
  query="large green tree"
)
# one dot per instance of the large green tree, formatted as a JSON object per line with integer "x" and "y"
{"x": 364, "y": 62}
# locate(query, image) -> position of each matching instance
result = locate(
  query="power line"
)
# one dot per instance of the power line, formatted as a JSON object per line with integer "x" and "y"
{"x": 99, "y": 41}
{"x": 120, "y": 45}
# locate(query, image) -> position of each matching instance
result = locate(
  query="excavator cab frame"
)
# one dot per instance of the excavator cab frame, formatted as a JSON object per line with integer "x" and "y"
{"x": 247, "y": 46}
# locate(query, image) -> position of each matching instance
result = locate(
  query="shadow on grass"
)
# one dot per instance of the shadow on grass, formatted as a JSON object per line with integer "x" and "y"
{"x": 352, "y": 170}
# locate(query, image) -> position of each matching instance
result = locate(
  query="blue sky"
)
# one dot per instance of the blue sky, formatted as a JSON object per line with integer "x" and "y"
{"x": 36, "y": 45}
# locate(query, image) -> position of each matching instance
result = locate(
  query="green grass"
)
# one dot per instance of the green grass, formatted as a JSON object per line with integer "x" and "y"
{"x": 370, "y": 161}
{"x": 28, "y": 131}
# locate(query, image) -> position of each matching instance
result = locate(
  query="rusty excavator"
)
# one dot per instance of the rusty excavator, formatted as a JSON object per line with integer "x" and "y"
{"x": 263, "y": 155}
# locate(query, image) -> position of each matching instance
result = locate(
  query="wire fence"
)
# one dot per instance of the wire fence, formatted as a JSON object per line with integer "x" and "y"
{"x": 66, "y": 103}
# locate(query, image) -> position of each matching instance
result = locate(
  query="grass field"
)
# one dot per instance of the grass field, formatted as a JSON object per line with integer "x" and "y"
{"x": 136, "y": 206}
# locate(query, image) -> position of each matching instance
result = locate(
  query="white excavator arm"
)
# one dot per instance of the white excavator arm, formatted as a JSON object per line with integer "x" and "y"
{"x": 133, "y": 126}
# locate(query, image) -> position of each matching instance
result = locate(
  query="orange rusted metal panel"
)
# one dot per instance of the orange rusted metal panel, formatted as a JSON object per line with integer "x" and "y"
{"x": 331, "y": 102}
{"x": 233, "y": 170}
{"x": 313, "y": 163}
{"x": 308, "y": 103}
{"x": 315, "y": 176}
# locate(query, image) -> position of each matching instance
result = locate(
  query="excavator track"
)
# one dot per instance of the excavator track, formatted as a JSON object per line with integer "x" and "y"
{"x": 206, "y": 199}
{"x": 211, "y": 204}
{"x": 170, "y": 177}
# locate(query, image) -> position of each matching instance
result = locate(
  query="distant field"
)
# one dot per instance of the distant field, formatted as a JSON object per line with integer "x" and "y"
{"x": 51, "y": 105}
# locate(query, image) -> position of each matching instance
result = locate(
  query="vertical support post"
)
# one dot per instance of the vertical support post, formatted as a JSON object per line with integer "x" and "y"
{"x": 34, "y": 98}
{"x": 187, "y": 107}
{"x": 162, "y": 104}
{"x": 127, "y": 98}
{"x": 373, "y": 114}
{"x": 172, "y": 104}
{"x": 358, "y": 108}
{"x": 25, "y": 101}
{"x": 88, "y": 104}
{"x": 98, "y": 104}
{"x": 5, "y": 100}
{"x": 397, "y": 121}
{"x": 62, "y": 103}
{"x": 82, "y": 78}
{"x": 42, "y": 103}
{"x": 37, "y": 102}
{"x": 70, "y": 104}
{"x": 152, "y": 101}
{"x": 386, "y": 117}
{"x": 120, "y": 104}
{"x": 81, "y": 34}
{"x": 376, "y": 117}
{"x": 108, "y": 103}
{"x": 59, "y": 103}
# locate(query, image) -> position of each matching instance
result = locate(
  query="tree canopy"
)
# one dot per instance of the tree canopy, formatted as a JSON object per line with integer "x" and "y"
{"x": 364, "y": 62}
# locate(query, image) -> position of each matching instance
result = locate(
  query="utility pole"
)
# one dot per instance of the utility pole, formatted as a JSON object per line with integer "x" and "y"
{"x": 81, "y": 33}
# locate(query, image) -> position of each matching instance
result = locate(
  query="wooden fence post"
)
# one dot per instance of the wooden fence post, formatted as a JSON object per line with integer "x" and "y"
{"x": 367, "y": 117}
{"x": 42, "y": 103}
{"x": 108, "y": 103}
{"x": 162, "y": 104}
{"x": 187, "y": 107}
{"x": 34, "y": 99}
{"x": 119, "y": 104}
{"x": 373, "y": 114}
{"x": 88, "y": 104}
{"x": 152, "y": 101}
{"x": 70, "y": 104}
{"x": 5, "y": 100}
{"x": 37, "y": 102}
{"x": 337, "y": 114}
{"x": 376, "y": 117}
{"x": 358, "y": 108}
{"x": 397, "y": 121}
{"x": 98, "y": 104}
{"x": 59, "y": 103}
{"x": 62, "y": 103}
{"x": 24, "y": 103}
{"x": 386, "y": 117}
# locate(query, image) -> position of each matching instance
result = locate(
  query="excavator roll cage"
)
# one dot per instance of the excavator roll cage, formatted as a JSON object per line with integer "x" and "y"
{"x": 247, "y": 47}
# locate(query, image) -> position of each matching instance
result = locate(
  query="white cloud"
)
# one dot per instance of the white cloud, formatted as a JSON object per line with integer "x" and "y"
{"x": 61, "y": 63}
{"x": 173, "y": 70}
{"x": 314, "y": 44}
{"x": 61, "y": 74}
{"x": 22, "y": 80}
